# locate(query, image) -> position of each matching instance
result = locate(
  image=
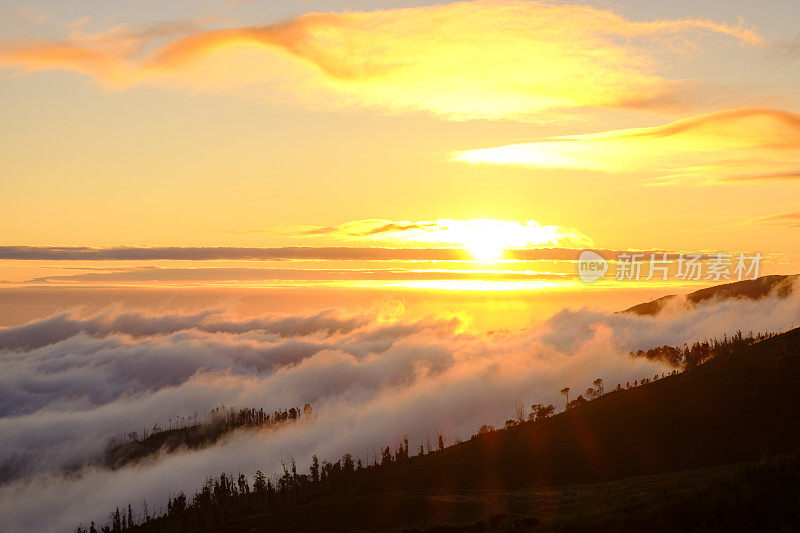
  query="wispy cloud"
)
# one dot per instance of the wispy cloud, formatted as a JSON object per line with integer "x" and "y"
{"x": 22, "y": 16}
{"x": 729, "y": 146}
{"x": 219, "y": 275}
{"x": 789, "y": 220}
{"x": 310, "y": 253}
{"x": 449, "y": 232}
{"x": 367, "y": 228}
{"x": 482, "y": 59}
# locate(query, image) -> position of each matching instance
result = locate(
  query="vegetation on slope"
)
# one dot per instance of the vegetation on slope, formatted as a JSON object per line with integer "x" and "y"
{"x": 193, "y": 434}
{"x": 738, "y": 406}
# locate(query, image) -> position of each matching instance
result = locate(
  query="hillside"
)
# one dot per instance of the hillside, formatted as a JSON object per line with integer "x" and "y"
{"x": 749, "y": 289}
{"x": 662, "y": 446}
{"x": 219, "y": 422}
{"x": 759, "y": 496}
{"x": 736, "y": 407}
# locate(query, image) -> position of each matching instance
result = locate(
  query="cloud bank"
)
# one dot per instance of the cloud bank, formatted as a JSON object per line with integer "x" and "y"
{"x": 69, "y": 382}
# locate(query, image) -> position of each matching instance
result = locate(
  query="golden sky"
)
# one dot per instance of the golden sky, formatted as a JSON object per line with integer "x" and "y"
{"x": 415, "y": 144}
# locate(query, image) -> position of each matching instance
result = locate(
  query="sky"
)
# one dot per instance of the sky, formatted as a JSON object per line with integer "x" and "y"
{"x": 482, "y": 126}
{"x": 379, "y": 208}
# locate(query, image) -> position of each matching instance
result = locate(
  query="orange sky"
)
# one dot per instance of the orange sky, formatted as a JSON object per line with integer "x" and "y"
{"x": 482, "y": 126}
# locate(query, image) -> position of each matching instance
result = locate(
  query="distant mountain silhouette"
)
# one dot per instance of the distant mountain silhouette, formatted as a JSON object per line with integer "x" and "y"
{"x": 750, "y": 289}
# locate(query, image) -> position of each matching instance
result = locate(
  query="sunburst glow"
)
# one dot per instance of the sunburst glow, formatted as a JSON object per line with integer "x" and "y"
{"x": 486, "y": 250}
{"x": 484, "y": 238}
{"x": 487, "y": 239}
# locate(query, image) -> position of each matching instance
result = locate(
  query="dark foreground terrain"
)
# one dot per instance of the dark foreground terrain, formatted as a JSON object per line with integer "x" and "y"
{"x": 711, "y": 448}
{"x": 761, "y": 496}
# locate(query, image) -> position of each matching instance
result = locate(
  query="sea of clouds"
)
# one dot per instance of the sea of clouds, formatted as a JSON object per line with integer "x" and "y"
{"x": 69, "y": 382}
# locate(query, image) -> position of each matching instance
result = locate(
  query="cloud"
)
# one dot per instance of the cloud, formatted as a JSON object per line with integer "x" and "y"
{"x": 482, "y": 59}
{"x": 790, "y": 175}
{"x": 366, "y": 228}
{"x": 789, "y": 220}
{"x": 787, "y": 49}
{"x": 212, "y": 275}
{"x": 80, "y": 253}
{"x": 122, "y": 370}
{"x": 62, "y": 326}
{"x": 23, "y": 16}
{"x": 728, "y": 146}
{"x": 66, "y": 392}
{"x": 129, "y": 253}
{"x": 448, "y": 232}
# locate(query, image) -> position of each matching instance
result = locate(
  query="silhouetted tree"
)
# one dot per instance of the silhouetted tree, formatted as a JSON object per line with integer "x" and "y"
{"x": 348, "y": 467}
{"x": 519, "y": 411}
{"x": 577, "y": 402}
{"x": 540, "y": 411}
{"x": 260, "y": 483}
{"x": 116, "y": 521}
{"x": 315, "y": 470}
{"x": 386, "y": 456}
{"x": 244, "y": 486}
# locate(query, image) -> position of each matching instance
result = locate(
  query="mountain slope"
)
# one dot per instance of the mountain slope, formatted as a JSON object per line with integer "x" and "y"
{"x": 653, "y": 457}
{"x": 751, "y": 289}
{"x": 738, "y": 407}
{"x": 731, "y": 498}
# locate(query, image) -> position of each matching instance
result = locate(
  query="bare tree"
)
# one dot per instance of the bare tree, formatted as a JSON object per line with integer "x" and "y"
{"x": 565, "y": 393}
{"x": 519, "y": 411}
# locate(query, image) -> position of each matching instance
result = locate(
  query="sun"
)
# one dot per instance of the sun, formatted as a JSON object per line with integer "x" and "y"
{"x": 485, "y": 248}
{"x": 485, "y": 240}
